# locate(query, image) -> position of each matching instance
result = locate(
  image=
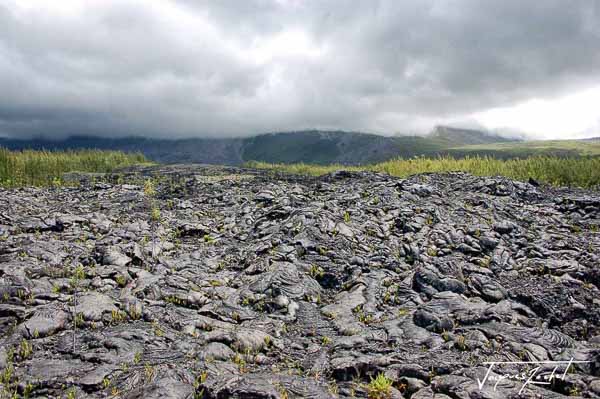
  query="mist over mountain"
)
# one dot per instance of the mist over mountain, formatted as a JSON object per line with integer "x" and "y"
{"x": 310, "y": 146}
{"x": 457, "y": 137}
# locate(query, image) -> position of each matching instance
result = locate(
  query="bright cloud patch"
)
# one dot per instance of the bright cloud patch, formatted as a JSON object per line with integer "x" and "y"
{"x": 575, "y": 115}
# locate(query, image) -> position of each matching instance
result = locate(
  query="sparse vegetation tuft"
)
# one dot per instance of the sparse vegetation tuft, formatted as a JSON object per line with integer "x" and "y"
{"x": 380, "y": 387}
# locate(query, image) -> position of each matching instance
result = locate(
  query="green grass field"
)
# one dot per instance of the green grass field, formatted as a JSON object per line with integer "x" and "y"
{"x": 558, "y": 171}
{"x": 44, "y": 168}
{"x": 522, "y": 149}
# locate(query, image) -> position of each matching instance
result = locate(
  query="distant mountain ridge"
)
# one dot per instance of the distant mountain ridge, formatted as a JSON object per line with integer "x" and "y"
{"x": 309, "y": 146}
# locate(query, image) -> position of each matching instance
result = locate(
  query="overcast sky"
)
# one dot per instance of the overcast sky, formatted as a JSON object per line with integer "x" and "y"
{"x": 240, "y": 67}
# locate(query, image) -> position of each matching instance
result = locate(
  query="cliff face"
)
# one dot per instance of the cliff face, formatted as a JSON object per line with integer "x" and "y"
{"x": 226, "y": 282}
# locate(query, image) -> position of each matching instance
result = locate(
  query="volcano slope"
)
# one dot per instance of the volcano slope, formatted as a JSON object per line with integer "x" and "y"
{"x": 221, "y": 282}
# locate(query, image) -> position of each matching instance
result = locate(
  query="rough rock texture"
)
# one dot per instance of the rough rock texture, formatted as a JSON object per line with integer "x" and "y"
{"x": 239, "y": 283}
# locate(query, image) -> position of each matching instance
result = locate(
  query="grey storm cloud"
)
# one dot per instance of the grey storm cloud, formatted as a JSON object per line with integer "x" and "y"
{"x": 234, "y": 68}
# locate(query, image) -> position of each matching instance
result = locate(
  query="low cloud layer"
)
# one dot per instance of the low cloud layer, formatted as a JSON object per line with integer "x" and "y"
{"x": 235, "y": 68}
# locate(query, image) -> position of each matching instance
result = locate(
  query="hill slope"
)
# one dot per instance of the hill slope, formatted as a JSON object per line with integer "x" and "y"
{"x": 314, "y": 146}
{"x": 334, "y": 147}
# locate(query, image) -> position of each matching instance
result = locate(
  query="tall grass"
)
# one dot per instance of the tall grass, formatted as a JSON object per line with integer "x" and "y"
{"x": 582, "y": 172}
{"x": 43, "y": 168}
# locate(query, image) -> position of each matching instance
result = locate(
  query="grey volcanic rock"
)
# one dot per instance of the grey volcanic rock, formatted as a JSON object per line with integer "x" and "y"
{"x": 93, "y": 305}
{"x": 254, "y": 284}
{"x": 45, "y": 321}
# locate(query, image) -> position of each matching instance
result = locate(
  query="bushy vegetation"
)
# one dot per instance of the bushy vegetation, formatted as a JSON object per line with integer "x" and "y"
{"x": 581, "y": 171}
{"x": 43, "y": 168}
{"x": 380, "y": 387}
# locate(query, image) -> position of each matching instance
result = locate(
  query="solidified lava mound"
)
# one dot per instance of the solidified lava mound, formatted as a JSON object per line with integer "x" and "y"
{"x": 219, "y": 282}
